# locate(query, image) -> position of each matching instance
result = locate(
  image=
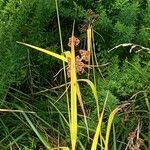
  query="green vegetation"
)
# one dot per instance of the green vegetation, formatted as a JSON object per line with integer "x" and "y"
{"x": 108, "y": 106}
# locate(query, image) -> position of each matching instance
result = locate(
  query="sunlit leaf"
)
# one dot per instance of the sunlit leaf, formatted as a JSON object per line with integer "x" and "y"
{"x": 73, "y": 119}
{"x": 61, "y": 57}
{"x": 89, "y": 37}
{"x": 93, "y": 88}
{"x": 98, "y": 129}
{"x": 110, "y": 120}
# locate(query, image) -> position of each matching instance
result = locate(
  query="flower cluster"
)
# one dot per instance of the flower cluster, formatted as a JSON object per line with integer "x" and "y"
{"x": 81, "y": 60}
{"x": 134, "y": 141}
{"x": 75, "y": 41}
{"x": 91, "y": 18}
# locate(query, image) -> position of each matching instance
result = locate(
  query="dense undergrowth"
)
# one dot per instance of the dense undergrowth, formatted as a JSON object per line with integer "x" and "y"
{"x": 27, "y": 77}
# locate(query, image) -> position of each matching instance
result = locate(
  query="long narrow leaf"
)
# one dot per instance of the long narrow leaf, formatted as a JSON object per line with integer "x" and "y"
{"x": 98, "y": 129}
{"x": 110, "y": 120}
{"x": 82, "y": 108}
{"x": 43, "y": 140}
{"x": 89, "y": 38}
{"x": 61, "y": 57}
{"x": 89, "y": 44}
{"x": 93, "y": 88}
{"x": 19, "y": 111}
{"x": 73, "y": 119}
{"x": 62, "y": 51}
{"x": 114, "y": 138}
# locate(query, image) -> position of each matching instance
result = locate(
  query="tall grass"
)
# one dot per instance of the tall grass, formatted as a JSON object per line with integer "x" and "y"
{"x": 99, "y": 140}
{"x": 75, "y": 95}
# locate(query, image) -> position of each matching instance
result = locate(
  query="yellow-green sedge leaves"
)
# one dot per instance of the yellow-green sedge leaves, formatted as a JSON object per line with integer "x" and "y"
{"x": 82, "y": 108}
{"x": 73, "y": 119}
{"x": 89, "y": 39}
{"x": 67, "y": 54}
{"x": 61, "y": 57}
{"x": 93, "y": 90}
{"x": 111, "y": 117}
{"x": 98, "y": 129}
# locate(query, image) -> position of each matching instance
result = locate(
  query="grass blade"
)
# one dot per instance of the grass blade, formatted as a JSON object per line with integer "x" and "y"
{"x": 114, "y": 138}
{"x": 62, "y": 51}
{"x": 61, "y": 57}
{"x": 98, "y": 129}
{"x": 73, "y": 119}
{"x": 82, "y": 108}
{"x": 89, "y": 38}
{"x": 110, "y": 120}
{"x": 89, "y": 44}
{"x": 93, "y": 88}
{"x": 43, "y": 140}
{"x": 19, "y": 111}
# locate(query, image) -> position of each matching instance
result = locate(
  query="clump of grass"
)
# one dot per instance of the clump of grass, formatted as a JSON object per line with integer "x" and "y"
{"x": 75, "y": 66}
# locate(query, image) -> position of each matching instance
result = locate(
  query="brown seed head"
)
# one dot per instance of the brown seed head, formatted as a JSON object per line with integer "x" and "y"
{"x": 75, "y": 41}
{"x": 90, "y": 12}
{"x": 85, "y": 55}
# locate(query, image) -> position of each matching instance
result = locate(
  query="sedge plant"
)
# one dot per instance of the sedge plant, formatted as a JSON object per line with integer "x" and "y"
{"x": 69, "y": 59}
{"x": 74, "y": 95}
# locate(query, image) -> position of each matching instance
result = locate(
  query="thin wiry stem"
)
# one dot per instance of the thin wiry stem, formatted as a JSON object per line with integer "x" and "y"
{"x": 62, "y": 50}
